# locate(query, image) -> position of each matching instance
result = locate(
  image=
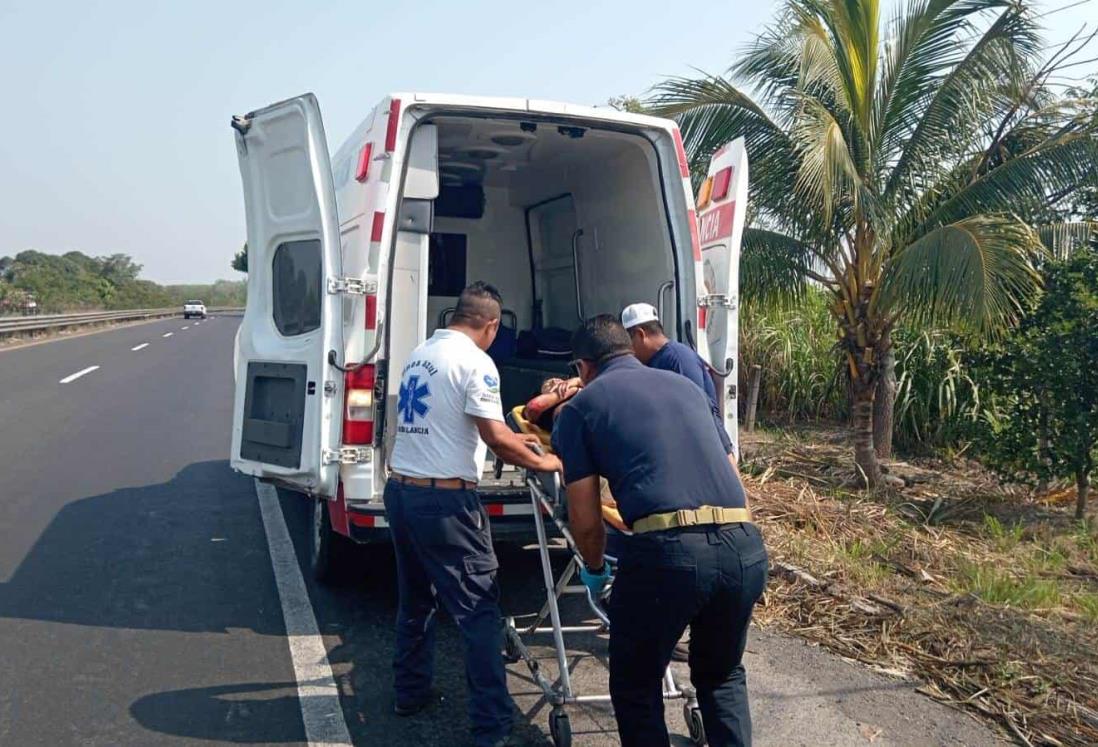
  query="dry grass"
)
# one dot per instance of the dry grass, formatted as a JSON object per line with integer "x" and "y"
{"x": 989, "y": 598}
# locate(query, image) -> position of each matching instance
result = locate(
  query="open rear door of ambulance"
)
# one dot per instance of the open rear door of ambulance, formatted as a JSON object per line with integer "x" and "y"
{"x": 286, "y": 427}
{"x": 721, "y": 204}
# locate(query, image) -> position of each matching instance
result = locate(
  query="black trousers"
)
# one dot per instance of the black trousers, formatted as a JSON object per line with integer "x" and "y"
{"x": 707, "y": 578}
{"x": 444, "y": 557}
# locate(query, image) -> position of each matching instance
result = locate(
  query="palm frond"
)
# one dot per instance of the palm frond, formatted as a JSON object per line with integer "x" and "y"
{"x": 773, "y": 266}
{"x": 964, "y": 98}
{"x": 1023, "y": 185}
{"x": 975, "y": 274}
{"x": 925, "y": 44}
{"x": 826, "y": 169}
{"x": 711, "y": 111}
{"x": 1064, "y": 239}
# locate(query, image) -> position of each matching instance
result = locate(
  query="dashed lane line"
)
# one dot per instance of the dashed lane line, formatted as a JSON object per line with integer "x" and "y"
{"x": 73, "y": 377}
{"x": 317, "y": 694}
{"x": 141, "y": 346}
{"x": 167, "y": 334}
{"x": 186, "y": 327}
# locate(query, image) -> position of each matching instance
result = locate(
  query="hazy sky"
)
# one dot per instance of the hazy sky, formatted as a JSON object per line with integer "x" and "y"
{"x": 115, "y": 136}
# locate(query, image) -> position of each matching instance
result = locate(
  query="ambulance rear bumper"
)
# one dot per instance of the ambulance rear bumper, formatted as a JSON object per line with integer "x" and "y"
{"x": 511, "y": 516}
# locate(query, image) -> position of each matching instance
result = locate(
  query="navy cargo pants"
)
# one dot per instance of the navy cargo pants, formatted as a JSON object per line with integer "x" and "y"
{"x": 444, "y": 556}
{"x": 708, "y": 578}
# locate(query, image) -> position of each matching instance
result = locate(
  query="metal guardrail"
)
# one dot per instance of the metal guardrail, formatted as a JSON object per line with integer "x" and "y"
{"x": 43, "y": 322}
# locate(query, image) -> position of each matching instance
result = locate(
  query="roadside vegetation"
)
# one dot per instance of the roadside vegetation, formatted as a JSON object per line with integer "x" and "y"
{"x": 77, "y": 282}
{"x": 914, "y": 169}
{"x": 987, "y": 593}
{"x": 919, "y": 294}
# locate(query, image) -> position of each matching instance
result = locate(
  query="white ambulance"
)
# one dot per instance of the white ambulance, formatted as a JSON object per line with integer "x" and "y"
{"x": 355, "y": 259}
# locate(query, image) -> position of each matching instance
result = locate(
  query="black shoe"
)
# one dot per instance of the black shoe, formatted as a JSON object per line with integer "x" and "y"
{"x": 681, "y": 651}
{"x": 415, "y": 706}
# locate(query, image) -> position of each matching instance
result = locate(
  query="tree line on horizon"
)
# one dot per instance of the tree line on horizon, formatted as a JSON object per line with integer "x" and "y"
{"x": 75, "y": 281}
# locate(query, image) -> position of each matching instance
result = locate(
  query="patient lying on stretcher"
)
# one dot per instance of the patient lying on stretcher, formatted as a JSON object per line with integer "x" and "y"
{"x": 536, "y": 418}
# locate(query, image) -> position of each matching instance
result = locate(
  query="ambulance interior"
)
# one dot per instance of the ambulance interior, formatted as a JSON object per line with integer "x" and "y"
{"x": 567, "y": 222}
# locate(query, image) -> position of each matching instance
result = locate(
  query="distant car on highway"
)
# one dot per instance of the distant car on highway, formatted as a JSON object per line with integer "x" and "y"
{"x": 194, "y": 309}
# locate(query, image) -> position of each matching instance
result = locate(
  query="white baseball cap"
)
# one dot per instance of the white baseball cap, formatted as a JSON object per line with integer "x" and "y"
{"x": 638, "y": 313}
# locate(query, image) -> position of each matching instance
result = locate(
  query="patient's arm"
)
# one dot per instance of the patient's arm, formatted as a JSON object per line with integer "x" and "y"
{"x": 514, "y": 448}
{"x": 563, "y": 388}
{"x": 585, "y": 520}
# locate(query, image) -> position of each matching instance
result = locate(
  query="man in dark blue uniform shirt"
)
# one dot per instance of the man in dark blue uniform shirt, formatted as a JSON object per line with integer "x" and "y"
{"x": 655, "y": 349}
{"x": 695, "y": 558}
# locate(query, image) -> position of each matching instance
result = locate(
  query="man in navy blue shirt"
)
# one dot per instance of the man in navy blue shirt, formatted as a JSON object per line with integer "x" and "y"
{"x": 695, "y": 559}
{"x": 654, "y": 349}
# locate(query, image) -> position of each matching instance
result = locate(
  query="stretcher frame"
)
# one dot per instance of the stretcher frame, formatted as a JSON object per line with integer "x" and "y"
{"x": 547, "y": 499}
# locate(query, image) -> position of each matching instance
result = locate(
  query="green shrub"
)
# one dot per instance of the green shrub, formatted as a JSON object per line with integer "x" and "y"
{"x": 937, "y": 400}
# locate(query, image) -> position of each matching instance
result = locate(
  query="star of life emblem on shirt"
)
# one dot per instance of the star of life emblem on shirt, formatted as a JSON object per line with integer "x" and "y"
{"x": 411, "y": 402}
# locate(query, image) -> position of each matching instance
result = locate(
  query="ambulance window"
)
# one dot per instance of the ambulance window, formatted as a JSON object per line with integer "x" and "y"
{"x": 297, "y": 292}
{"x": 446, "y": 264}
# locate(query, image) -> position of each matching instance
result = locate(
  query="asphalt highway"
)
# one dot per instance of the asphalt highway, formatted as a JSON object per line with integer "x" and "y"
{"x": 144, "y": 600}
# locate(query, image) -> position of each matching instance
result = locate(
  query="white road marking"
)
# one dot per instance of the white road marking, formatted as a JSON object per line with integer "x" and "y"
{"x": 197, "y": 323}
{"x": 187, "y": 327}
{"x": 317, "y": 693}
{"x": 139, "y": 347}
{"x": 77, "y": 375}
{"x": 167, "y": 334}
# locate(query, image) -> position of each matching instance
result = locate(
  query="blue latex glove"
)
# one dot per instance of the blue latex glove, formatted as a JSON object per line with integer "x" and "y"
{"x": 595, "y": 582}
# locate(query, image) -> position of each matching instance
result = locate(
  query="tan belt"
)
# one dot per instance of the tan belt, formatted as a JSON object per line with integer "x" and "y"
{"x": 689, "y": 517}
{"x": 443, "y": 483}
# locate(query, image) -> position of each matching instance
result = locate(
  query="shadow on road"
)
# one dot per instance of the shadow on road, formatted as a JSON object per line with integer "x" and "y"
{"x": 186, "y": 555}
{"x": 244, "y": 713}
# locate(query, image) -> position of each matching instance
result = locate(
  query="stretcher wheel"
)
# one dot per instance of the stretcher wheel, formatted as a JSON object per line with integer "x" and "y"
{"x": 560, "y": 729}
{"x": 693, "y": 716}
{"x": 510, "y": 650}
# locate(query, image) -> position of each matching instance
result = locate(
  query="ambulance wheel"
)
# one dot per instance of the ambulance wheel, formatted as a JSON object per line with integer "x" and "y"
{"x": 693, "y": 716}
{"x": 328, "y": 550}
{"x": 560, "y": 729}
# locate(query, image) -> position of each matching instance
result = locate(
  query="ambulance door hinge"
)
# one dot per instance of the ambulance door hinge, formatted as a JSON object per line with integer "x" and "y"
{"x": 241, "y": 123}
{"x": 352, "y": 286}
{"x": 349, "y": 455}
{"x": 716, "y": 300}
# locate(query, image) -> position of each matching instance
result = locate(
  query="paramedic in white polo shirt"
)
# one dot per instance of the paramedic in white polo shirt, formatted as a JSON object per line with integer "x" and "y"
{"x": 448, "y": 414}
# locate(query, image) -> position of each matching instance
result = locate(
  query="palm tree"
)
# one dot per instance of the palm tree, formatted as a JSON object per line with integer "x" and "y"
{"x": 898, "y": 166}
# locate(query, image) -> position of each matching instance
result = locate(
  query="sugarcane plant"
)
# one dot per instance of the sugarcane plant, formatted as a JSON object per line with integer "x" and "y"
{"x": 908, "y": 168}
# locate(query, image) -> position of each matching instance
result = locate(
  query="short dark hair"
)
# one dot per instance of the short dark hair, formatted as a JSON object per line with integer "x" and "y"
{"x": 479, "y": 304}
{"x": 601, "y": 338}
{"x": 650, "y": 328}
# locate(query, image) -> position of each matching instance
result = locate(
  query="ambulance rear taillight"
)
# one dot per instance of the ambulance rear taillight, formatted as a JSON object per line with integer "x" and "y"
{"x": 358, "y": 414}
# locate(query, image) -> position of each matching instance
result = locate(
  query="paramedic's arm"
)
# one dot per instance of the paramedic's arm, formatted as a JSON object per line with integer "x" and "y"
{"x": 483, "y": 403}
{"x": 513, "y": 448}
{"x": 582, "y": 479}
{"x": 694, "y": 369}
{"x": 585, "y": 520}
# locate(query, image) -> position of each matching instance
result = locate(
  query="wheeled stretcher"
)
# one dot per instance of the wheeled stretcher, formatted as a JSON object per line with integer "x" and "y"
{"x": 547, "y": 498}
